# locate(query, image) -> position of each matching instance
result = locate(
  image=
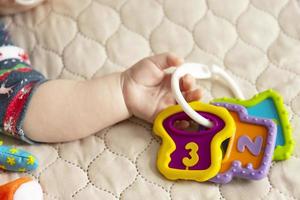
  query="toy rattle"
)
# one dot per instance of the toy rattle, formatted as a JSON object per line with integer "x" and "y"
{"x": 251, "y": 133}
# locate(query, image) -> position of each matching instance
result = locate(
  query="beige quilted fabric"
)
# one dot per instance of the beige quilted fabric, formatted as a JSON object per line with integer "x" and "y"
{"x": 256, "y": 41}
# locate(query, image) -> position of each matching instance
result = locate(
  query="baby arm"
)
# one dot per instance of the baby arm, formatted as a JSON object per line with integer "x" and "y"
{"x": 64, "y": 110}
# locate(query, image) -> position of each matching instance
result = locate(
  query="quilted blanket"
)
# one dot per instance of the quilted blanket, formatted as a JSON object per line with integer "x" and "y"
{"x": 256, "y": 41}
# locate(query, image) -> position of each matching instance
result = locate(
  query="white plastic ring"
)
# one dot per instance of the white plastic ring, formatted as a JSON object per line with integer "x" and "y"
{"x": 26, "y": 2}
{"x": 200, "y": 71}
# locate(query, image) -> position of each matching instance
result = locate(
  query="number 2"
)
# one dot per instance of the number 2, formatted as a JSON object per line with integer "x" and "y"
{"x": 253, "y": 146}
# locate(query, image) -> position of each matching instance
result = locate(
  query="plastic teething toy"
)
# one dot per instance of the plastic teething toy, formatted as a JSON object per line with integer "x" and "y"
{"x": 252, "y": 126}
{"x": 269, "y": 104}
{"x": 26, "y": 2}
{"x": 14, "y": 159}
{"x": 192, "y": 155}
{"x": 249, "y": 152}
{"x": 21, "y": 189}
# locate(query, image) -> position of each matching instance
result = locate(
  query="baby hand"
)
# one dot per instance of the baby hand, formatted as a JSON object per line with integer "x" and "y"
{"x": 147, "y": 88}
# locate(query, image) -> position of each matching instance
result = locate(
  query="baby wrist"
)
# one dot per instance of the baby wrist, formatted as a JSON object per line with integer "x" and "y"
{"x": 121, "y": 80}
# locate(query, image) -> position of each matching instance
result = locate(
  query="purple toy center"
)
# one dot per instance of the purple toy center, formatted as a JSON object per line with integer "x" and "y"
{"x": 202, "y": 138}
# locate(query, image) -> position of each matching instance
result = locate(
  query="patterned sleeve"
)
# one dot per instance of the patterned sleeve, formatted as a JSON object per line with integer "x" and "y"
{"x": 18, "y": 81}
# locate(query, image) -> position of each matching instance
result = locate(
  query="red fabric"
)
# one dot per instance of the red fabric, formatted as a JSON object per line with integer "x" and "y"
{"x": 15, "y": 108}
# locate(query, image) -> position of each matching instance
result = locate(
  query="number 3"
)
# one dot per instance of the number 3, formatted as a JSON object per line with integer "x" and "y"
{"x": 194, "y": 158}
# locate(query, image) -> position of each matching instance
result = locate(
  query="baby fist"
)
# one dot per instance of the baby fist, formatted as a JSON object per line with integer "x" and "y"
{"x": 147, "y": 87}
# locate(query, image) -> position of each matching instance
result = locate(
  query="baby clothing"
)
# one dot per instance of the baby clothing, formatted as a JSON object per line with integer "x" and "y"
{"x": 18, "y": 81}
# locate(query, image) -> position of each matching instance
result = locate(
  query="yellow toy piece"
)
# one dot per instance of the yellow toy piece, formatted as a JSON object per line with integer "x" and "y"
{"x": 192, "y": 155}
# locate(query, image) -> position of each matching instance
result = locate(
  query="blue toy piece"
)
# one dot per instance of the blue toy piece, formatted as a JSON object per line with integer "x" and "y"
{"x": 14, "y": 159}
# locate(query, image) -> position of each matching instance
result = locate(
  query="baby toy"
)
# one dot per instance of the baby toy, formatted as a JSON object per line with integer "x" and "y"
{"x": 192, "y": 155}
{"x": 14, "y": 159}
{"x": 269, "y": 104}
{"x": 21, "y": 189}
{"x": 249, "y": 152}
{"x": 246, "y": 138}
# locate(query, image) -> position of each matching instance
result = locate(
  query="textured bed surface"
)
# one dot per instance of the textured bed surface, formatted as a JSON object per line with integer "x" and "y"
{"x": 258, "y": 42}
